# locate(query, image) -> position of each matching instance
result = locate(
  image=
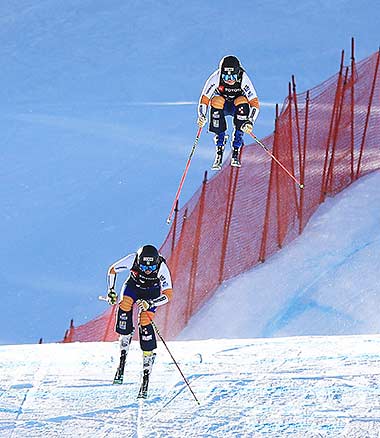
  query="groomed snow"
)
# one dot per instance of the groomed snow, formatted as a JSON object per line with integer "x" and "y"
{"x": 296, "y": 387}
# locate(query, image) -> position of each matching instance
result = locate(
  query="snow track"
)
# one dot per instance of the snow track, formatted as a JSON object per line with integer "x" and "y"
{"x": 298, "y": 387}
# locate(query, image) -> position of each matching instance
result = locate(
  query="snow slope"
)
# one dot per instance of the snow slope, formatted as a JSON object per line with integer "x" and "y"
{"x": 324, "y": 282}
{"x": 82, "y": 157}
{"x": 304, "y": 387}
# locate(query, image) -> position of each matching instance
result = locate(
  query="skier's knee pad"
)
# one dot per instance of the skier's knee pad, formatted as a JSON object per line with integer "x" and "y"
{"x": 146, "y": 318}
{"x": 126, "y": 303}
{"x": 241, "y": 115}
{"x": 147, "y": 338}
{"x": 218, "y": 102}
{"x": 124, "y": 323}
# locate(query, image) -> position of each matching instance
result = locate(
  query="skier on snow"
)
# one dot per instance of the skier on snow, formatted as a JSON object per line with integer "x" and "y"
{"x": 229, "y": 92}
{"x": 149, "y": 285}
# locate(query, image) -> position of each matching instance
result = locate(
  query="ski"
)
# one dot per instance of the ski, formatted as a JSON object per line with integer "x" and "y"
{"x": 143, "y": 392}
{"x": 119, "y": 376}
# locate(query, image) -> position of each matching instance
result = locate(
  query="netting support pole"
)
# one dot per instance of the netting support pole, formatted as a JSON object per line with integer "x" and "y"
{"x": 295, "y": 100}
{"x": 330, "y": 172}
{"x": 264, "y": 237}
{"x": 69, "y": 333}
{"x": 277, "y": 176}
{"x": 291, "y": 145}
{"x": 173, "y": 268}
{"x": 302, "y": 169}
{"x": 174, "y": 227}
{"x": 196, "y": 245}
{"x": 232, "y": 184}
{"x": 368, "y": 115}
{"x": 333, "y": 117}
{"x": 352, "y": 133}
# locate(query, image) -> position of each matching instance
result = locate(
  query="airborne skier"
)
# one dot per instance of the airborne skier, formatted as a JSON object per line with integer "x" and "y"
{"x": 149, "y": 285}
{"x": 229, "y": 92}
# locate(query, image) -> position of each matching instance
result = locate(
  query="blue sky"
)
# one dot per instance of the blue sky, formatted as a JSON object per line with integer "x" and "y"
{"x": 88, "y": 173}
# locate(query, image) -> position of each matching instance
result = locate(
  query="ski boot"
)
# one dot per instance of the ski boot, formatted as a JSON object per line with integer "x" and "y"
{"x": 237, "y": 143}
{"x": 148, "y": 361}
{"x": 125, "y": 341}
{"x": 235, "y": 161}
{"x": 220, "y": 141}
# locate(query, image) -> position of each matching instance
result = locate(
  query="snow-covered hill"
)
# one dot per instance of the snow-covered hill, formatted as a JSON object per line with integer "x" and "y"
{"x": 324, "y": 282}
{"x": 305, "y": 387}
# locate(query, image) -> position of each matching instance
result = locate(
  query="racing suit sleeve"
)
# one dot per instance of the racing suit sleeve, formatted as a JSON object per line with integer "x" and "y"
{"x": 207, "y": 92}
{"x": 166, "y": 286}
{"x": 119, "y": 266}
{"x": 250, "y": 93}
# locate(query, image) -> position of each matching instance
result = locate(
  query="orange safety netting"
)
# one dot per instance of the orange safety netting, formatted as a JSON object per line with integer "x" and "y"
{"x": 327, "y": 137}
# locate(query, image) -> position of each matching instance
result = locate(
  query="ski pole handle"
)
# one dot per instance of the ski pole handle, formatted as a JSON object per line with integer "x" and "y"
{"x": 300, "y": 185}
{"x": 184, "y": 175}
{"x": 102, "y": 298}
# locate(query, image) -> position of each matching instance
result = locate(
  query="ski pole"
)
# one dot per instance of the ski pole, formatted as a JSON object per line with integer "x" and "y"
{"x": 300, "y": 185}
{"x": 184, "y": 175}
{"x": 175, "y": 362}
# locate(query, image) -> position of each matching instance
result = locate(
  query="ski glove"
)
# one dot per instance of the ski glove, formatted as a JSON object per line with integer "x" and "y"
{"x": 111, "y": 296}
{"x": 143, "y": 305}
{"x": 202, "y": 120}
{"x": 247, "y": 127}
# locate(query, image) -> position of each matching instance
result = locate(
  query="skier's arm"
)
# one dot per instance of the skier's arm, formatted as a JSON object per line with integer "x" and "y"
{"x": 166, "y": 286}
{"x": 204, "y": 100}
{"x": 119, "y": 266}
{"x": 251, "y": 95}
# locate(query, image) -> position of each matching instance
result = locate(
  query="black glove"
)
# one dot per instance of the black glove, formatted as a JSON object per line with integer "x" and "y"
{"x": 111, "y": 296}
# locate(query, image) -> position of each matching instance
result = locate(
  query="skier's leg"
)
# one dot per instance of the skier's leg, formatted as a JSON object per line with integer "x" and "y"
{"x": 124, "y": 321}
{"x": 218, "y": 125}
{"x": 220, "y": 142}
{"x": 147, "y": 336}
{"x": 124, "y": 327}
{"x": 241, "y": 112}
{"x": 237, "y": 143}
{"x": 240, "y": 116}
{"x": 148, "y": 361}
{"x": 148, "y": 344}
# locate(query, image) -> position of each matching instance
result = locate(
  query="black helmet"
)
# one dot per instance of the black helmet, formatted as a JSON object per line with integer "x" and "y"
{"x": 148, "y": 258}
{"x": 230, "y": 65}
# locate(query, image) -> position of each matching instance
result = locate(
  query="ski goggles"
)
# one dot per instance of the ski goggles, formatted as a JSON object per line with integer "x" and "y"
{"x": 145, "y": 268}
{"x": 227, "y": 77}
